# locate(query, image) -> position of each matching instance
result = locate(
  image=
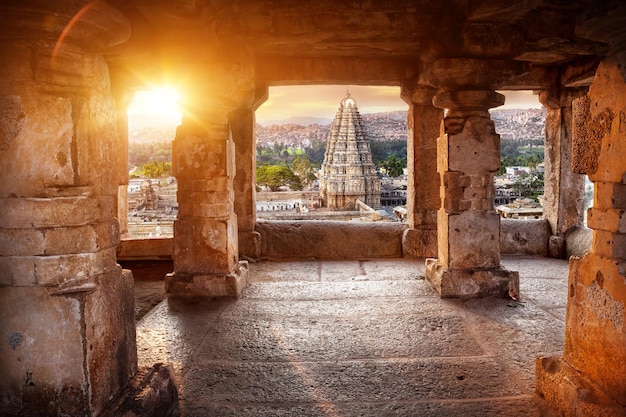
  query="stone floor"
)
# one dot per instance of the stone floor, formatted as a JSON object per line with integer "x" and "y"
{"x": 359, "y": 338}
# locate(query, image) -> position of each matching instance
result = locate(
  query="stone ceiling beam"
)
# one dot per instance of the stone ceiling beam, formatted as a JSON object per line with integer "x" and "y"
{"x": 366, "y": 71}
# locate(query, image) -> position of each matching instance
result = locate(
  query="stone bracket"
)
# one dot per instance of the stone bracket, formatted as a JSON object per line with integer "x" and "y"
{"x": 208, "y": 285}
{"x": 472, "y": 283}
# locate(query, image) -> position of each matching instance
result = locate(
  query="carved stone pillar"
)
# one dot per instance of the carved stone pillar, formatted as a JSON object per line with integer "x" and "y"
{"x": 468, "y": 228}
{"x": 242, "y": 123}
{"x": 206, "y": 259}
{"x": 423, "y": 119}
{"x": 206, "y": 254}
{"x": 66, "y": 307}
{"x": 563, "y": 189}
{"x": 590, "y": 378}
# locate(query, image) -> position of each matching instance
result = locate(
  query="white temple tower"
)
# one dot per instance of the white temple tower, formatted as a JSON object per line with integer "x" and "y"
{"x": 348, "y": 173}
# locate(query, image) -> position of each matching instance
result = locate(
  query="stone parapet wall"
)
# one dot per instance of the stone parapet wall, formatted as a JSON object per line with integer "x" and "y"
{"x": 281, "y": 240}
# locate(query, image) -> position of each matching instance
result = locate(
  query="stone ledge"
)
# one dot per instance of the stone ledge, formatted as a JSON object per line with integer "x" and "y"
{"x": 471, "y": 283}
{"x": 152, "y": 392}
{"x": 208, "y": 285}
{"x": 565, "y": 390}
{"x": 419, "y": 243}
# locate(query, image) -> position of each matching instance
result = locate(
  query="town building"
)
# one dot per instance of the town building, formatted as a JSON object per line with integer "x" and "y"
{"x": 348, "y": 173}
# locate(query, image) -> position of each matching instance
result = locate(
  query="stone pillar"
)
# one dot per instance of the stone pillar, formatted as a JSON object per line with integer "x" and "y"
{"x": 423, "y": 120}
{"x": 66, "y": 307}
{"x": 590, "y": 378}
{"x": 563, "y": 189}
{"x": 206, "y": 258}
{"x": 468, "y": 228}
{"x": 243, "y": 128}
{"x": 123, "y": 99}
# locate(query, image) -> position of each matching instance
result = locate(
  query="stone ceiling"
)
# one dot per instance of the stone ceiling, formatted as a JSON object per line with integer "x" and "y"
{"x": 303, "y": 41}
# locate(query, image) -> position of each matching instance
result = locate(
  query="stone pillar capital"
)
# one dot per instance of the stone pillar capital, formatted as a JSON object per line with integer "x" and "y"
{"x": 414, "y": 93}
{"x": 560, "y": 97}
{"x": 466, "y": 103}
{"x": 468, "y": 100}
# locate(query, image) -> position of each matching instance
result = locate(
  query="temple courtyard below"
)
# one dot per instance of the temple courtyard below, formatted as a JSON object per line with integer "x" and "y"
{"x": 359, "y": 338}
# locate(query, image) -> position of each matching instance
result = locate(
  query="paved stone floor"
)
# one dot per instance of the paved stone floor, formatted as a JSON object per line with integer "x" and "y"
{"x": 359, "y": 338}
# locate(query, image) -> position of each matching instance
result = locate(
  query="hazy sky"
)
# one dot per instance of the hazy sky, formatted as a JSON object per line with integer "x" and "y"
{"x": 323, "y": 101}
{"x": 308, "y": 101}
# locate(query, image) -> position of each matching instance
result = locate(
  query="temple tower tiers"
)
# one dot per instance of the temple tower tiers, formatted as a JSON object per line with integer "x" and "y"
{"x": 348, "y": 173}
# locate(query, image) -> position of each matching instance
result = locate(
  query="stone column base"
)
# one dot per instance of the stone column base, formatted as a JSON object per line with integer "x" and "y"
{"x": 208, "y": 285}
{"x": 572, "y": 396}
{"x": 471, "y": 283}
{"x": 419, "y": 243}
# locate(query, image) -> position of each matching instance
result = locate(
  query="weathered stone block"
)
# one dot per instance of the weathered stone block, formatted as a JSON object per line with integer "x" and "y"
{"x": 67, "y": 66}
{"x": 137, "y": 249}
{"x": 609, "y": 195}
{"x": 107, "y": 234}
{"x": 21, "y": 242}
{"x": 419, "y": 243}
{"x": 595, "y": 323}
{"x": 109, "y": 317}
{"x": 474, "y": 240}
{"x": 471, "y": 283}
{"x": 96, "y": 141}
{"x": 68, "y": 240}
{"x": 41, "y": 352}
{"x": 54, "y": 212}
{"x": 609, "y": 245}
{"x": 607, "y": 220}
{"x": 476, "y": 150}
{"x": 229, "y": 284}
{"x": 195, "y": 157}
{"x": 282, "y": 240}
{"x": 578, "y": 242}
{"x": 215, "y": 211}
{"x": 18, "y": 271}
{"x": 12, "y": 118}
{"x": 557, "y": 247}
{"x": 528, "y": 237}
{"x": 21, "y": 174}
{"x": 249, "y": 244}
{"x": 205, "y": 245}
{"x": 460, "y": 73}
{"x": 491, "y": 40}
{"x": 55, "y": 270}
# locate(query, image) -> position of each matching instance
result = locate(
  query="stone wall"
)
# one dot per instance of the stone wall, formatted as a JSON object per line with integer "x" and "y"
{"x": 280, "y": 238}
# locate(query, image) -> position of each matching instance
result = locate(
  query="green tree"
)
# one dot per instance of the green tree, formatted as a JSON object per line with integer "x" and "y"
{"x": 304, "y": 169}
{"x": 153, "y": 169}
{"x": 530, "y": 185}
{"x": 276, "y": 176}
{"x": 393, "y": 166}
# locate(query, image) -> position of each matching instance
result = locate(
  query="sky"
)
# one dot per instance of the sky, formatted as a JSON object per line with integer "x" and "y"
{"x": 323, "y": 101}
{"x": 319, "y": 101}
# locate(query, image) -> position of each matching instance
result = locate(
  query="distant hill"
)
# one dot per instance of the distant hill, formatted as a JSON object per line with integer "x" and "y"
{"x": 520, "y": 123}
{"x": 295, "y": 131}
{"x": 149, "y": 129}
{"x": 298, "y": 120}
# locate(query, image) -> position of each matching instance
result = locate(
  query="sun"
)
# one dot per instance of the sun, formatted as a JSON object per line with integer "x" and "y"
{"x": 161, "y": 101}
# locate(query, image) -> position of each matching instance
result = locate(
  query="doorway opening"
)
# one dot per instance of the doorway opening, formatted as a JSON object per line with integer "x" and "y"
{"x": 152, "y": 120}
{"x": 292, "y": 131}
